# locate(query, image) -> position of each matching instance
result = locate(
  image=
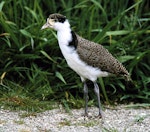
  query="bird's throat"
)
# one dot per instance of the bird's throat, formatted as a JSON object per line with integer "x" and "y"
{"x": 64, "y": 36}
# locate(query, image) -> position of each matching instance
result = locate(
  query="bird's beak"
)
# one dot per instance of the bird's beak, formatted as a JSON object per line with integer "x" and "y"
{"x": 46, "y": 25}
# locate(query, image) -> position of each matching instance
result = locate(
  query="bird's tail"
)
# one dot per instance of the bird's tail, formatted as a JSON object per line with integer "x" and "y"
{"x": 127, "y": 77}
{"x": 130, "y": 82}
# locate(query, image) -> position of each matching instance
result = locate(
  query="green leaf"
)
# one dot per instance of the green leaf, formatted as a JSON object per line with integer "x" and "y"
{"x": 25, "y": 32}
{"x": 47, "y": 56}
{"x": 102, "y": 34}
{"x": 58, "y": 74}
{"x": 125, "y": 58}
{"x": 100, "y": 6}
{"x": 120, "y": 32}
{"x": 103, "y": 89}
{"x": 1, "y": 5}
{"x": 32, "y": 12}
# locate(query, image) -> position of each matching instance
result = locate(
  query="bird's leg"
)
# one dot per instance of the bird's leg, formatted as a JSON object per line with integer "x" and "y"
{"x": 96, "y": 89}
{"x": 85, "y": 90}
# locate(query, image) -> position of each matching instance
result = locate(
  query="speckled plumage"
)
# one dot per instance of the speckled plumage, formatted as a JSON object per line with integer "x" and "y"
{"x": 97, "y": 56}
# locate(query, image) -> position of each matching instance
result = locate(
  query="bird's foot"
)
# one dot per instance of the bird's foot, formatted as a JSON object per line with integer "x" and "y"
{"x": 86, "y": 116}
{"x": 99, "y": 116}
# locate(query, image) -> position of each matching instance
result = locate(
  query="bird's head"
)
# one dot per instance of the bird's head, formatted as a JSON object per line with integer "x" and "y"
{"x": 57, "y": 22}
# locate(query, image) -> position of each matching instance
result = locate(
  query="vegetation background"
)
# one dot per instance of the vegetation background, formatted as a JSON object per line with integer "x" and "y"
{"x": 33, "y": 72}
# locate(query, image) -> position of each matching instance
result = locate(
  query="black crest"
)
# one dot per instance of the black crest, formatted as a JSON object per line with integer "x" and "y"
{"x": 58, "y": 17}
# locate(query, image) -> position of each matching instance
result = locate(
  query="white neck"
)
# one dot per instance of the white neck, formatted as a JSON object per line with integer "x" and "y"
{"x": 64, "y": 33}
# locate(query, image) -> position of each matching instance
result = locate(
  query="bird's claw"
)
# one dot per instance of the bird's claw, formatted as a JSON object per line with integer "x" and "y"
{"x": 86, "y": 115}
{"x": 99, "y": 116}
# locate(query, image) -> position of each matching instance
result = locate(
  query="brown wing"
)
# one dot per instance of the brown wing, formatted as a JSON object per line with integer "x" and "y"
{"x": 96, "y": 55}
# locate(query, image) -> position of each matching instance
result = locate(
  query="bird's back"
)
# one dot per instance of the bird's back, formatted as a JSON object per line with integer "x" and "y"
{"x": 97, "y": 56}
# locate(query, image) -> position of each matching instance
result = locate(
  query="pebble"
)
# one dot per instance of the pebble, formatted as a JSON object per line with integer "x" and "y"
{"x": 120, "y": 120}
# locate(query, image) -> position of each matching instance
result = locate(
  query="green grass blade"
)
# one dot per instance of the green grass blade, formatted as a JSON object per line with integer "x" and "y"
{"x": 104, "y": 90}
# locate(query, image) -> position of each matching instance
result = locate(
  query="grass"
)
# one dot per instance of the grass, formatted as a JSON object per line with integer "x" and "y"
{"x": 33, "y": 72}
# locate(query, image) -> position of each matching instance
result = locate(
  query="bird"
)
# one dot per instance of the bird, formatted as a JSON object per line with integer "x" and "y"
{"x": 88, "y": 59}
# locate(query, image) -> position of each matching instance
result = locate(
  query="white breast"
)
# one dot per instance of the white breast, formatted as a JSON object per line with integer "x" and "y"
{"x": 81, "y": 68}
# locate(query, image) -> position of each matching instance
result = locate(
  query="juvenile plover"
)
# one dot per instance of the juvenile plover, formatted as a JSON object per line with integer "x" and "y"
{"x": 88, "y": 59}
